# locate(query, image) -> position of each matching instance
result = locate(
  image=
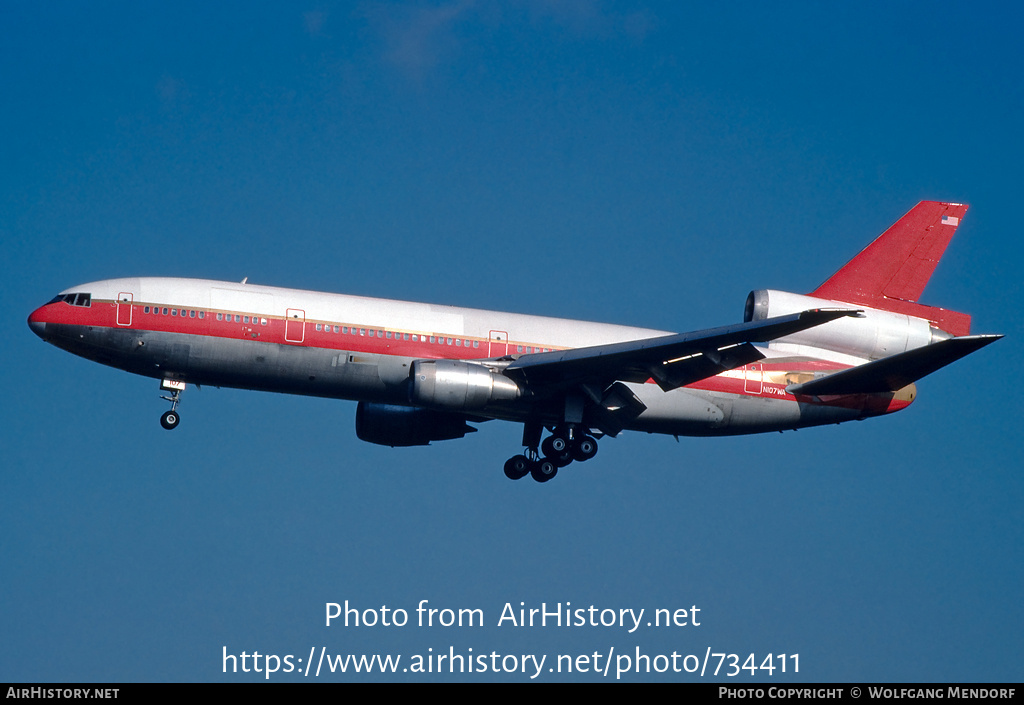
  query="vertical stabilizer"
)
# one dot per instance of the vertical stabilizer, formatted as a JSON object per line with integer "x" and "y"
{"x": 891, "y": 272}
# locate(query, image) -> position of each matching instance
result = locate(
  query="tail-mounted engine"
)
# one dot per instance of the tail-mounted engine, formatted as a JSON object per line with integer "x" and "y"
{"x": 459, "y": 386}
{"x": 873, "y": 335}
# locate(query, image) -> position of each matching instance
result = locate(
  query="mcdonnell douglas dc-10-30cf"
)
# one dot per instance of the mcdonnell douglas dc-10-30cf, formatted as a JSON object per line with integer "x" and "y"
{"x": 851, "y": 349}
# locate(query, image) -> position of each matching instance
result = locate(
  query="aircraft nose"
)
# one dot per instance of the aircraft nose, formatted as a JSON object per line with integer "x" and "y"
{"x": 37, "y": 325}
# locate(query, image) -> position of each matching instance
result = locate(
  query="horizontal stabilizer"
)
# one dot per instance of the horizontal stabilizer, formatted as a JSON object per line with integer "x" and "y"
{"x": 893, "y": 373}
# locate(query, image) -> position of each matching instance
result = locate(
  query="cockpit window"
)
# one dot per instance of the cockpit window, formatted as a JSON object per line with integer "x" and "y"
{"x": 76, "y": 299}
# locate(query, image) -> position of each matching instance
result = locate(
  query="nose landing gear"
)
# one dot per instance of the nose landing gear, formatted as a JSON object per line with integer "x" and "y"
{"x": 170, "y": 419}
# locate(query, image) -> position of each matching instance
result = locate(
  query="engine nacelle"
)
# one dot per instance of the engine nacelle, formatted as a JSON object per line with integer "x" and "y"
{"x": 459, "y": 385}
{"x": 872, "y": 336}
{"x": 390, "y": 425}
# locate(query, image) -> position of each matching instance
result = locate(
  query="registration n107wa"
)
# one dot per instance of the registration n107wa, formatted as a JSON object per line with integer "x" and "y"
{"x": 851, "y": 349}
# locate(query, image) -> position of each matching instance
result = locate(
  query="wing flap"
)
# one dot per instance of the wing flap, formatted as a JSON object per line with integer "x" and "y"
{"x": 693, "y": 368}
{"x": 615, "y": 408}
{"x": 893, "y": 373}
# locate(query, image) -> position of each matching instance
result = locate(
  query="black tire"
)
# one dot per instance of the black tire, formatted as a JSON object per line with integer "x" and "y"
{"x": 170, "y": 420}
{"x": 544, "y": 470}
{"x": 517, "y": 467}
{"x": 554, "y": 446}
{"x": 586, "y": 448}
{"x": 562, "y": 459}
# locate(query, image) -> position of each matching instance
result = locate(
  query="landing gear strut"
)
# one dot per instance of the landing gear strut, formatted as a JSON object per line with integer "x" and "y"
{"x": 170, "y": 419}
{"x": 563, "y": 446}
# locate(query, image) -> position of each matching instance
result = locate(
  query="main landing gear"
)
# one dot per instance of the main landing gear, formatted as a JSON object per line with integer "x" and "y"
{"x": 559, "y": 449}
{"x": 170, "y": 419}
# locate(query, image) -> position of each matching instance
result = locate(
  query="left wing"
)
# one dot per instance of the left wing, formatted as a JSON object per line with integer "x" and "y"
{"x": 672, "y": 360}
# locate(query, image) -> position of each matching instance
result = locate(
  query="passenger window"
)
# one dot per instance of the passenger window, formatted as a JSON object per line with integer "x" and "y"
{"x": 174, "y": 312}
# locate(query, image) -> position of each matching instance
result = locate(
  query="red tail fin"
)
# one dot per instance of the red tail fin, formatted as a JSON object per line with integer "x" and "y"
{"x": 892, "y": 271}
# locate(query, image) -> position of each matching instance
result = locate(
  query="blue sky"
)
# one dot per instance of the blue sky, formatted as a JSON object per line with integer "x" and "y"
{"x": 638, "y": 163}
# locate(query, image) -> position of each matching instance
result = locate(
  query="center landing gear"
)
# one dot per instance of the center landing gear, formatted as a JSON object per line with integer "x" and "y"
{"x": 170, "y": 419}
{"x": 559, "y": 449}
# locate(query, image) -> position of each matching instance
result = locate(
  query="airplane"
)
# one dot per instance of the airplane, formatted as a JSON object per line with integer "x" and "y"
{"x": 851, "y": 349}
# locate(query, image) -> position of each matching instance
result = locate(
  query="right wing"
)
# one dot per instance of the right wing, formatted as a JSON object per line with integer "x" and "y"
{"x": 592, "y": 378}
{"x": 672, "y": 360}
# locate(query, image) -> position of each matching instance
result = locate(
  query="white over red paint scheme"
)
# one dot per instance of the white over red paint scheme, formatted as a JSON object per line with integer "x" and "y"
{"x": 850, "y": 350}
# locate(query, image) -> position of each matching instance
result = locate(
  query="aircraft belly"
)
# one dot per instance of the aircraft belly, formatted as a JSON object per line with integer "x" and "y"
{"x": 109, "y": 346}
{"x": 294, "y": 369}
{"x": 243, "y": 364}
{"x": 691, "y": 412}
{"x": 680, "y": 411}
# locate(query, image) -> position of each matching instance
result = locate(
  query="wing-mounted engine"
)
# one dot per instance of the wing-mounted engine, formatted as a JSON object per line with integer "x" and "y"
{"x": 872, "y": 335}
{"x": 392, "y": 425}
{"x": 456, "y": 385}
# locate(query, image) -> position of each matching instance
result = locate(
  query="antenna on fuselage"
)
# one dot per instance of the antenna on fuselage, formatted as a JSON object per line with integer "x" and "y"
{"x": 245, "y": 280}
